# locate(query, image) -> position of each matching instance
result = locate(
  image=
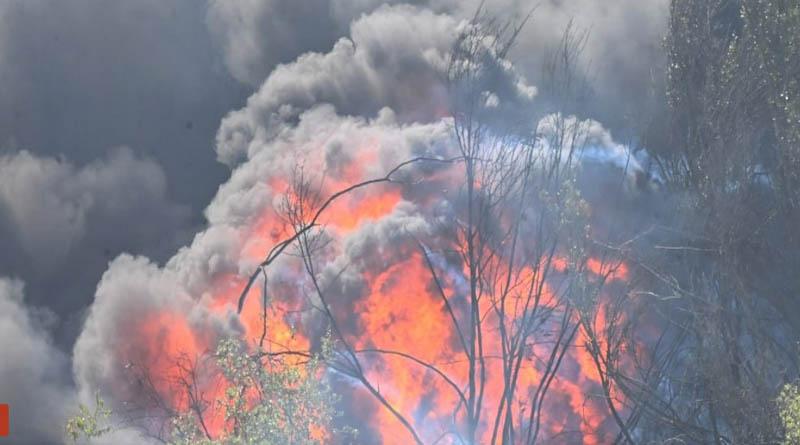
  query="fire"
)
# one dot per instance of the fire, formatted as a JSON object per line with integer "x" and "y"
{"x": 412, "y": 323}
{"x": 354, "y": 210}
{"x": 401, "y": 329}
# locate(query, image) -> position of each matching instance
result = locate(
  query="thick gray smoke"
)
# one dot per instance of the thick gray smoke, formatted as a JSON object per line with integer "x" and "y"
{"x": 621, "y": 54}
{"x": 34, "y": 373}
{"x": 79, "y": 80}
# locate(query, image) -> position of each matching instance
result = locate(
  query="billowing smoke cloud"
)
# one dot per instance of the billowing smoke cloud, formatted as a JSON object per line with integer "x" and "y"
{"x": 34, "y": 374}
{"x": 51, "y": 205}
{"x": 621, "y": 57}
{"x": 60, "y": 225}
{"x": 394, "y": 57}
{"x": 257, "y": 35}
{"x": 77, "y": 80}
{"x": 80, "y": 78}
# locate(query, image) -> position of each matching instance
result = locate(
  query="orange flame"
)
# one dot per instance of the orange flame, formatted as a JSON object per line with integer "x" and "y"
{"x": 400, "y": 314}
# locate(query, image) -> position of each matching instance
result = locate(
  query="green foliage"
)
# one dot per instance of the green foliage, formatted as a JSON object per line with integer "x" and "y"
{"x": 89, "y": 424}
{"x": 572, "y": 217}
{"x": 789, "y": 406}
{"x": 731, "y": 154}
{"x": 773, "y": 28}
{"x": 269, "y": 399}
